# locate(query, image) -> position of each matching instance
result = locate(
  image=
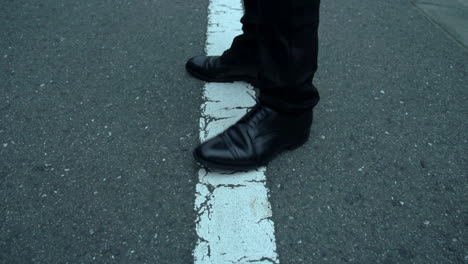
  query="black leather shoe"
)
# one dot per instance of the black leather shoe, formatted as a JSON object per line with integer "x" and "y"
{"x": 255, "y": 140}
{"x": 213, "y": 69}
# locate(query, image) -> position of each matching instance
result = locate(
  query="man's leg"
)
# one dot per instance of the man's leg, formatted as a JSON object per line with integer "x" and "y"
{"x": 288, "y": 47}
{"x": 240, "y": 61}
{"x": 287, "y": 39}
{"x": 244, "y": 47}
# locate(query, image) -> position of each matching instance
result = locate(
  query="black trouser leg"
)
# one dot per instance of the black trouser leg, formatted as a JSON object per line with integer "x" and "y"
{"x": 288, "y": 47}
{"x": 244, "y": 47}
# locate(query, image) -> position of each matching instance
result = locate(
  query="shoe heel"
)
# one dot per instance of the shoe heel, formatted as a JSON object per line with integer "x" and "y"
{"x": 253, "y": 81}
{"x": 303, "y": 139}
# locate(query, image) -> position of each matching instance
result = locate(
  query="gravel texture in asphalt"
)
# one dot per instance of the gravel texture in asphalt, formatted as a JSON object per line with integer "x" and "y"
{"x": 98, "y": 119}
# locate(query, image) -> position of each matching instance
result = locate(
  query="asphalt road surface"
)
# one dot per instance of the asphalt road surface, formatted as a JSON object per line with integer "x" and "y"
{"x": 98, "y": 119}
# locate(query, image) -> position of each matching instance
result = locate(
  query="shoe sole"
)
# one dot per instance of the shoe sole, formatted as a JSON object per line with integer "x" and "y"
{"x": 252, "y": 81}
{"x": 230, "y": 167}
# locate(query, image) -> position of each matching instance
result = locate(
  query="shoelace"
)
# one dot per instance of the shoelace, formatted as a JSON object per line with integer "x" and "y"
{"x": 255, "y": 115}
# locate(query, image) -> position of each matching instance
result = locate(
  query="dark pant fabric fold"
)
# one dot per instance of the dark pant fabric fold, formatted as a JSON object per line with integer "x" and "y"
{"x": 244, "y": 48}
{"x": 281, "y": 37}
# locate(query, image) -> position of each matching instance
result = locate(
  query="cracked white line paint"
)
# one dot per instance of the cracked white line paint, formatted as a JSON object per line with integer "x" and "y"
{"x": 233, "y": 221}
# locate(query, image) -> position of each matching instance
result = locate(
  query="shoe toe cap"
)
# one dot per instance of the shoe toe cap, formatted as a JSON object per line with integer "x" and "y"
{"x": 213, "y": 151}
{"x": 196, "y": 63}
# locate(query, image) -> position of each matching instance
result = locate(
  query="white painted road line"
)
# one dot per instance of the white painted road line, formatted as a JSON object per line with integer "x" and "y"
{"x": 234, "y": 223}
